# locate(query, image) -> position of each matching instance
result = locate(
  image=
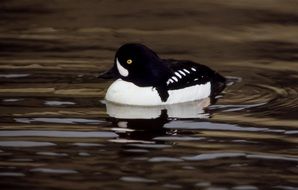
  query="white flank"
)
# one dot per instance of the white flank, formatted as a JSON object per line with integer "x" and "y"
{"x": 121, "y": 69}
{"x": 193, "y": 69}
{"x": 127, "y": 93}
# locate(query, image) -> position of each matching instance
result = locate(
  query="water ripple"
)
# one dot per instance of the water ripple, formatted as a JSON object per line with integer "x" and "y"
{"x": 54, "y": 171}
{"x": 218, "y": 127}
{"x": 137, "y": 179}
{"x": 12, "y": 174}
{"x": 221, "y": 155}
{"x": 68, "y": 134}
{"x": 58, "y": 120}
{"x": 25, "y": 144}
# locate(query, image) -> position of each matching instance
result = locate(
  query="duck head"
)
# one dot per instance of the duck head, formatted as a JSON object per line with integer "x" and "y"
{"x": 138, "y": 64}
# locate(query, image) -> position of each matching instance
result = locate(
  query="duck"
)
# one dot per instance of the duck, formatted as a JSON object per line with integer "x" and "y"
{"x": 142, "y": 78}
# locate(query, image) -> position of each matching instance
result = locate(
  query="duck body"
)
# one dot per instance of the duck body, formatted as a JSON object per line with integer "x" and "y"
{"x": 122, "y": 92}
{"x": 143, "y": 79}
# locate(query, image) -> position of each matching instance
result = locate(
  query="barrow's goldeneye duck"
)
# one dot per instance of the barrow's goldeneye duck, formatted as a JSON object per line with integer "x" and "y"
{"x": 144, "y": 79}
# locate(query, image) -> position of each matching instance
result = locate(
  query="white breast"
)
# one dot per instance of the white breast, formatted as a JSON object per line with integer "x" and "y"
{"x": 123, "y": 92}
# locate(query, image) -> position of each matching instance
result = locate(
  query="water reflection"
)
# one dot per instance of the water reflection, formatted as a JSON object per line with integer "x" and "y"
{"x": 144, "y": 124}
{"x": 139, "y": 129}
{"x": 188, "y": 110}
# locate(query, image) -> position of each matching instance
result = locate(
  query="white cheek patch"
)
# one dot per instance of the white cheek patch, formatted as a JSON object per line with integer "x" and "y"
{"x": 121, "y": 69}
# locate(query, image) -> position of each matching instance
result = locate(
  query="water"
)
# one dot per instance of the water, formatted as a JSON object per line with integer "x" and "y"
{"x": 58, "y": 133}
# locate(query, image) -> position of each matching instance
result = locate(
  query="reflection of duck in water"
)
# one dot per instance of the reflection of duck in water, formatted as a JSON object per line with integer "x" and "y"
{"x": 143, "y": 79}
{"x": 145, "y": 123}
{"x": 141, "y": 129}
{"x": 187, "y": 110}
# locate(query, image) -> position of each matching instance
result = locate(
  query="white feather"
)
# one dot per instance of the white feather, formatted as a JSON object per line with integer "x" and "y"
{"x": 169, "y": 81}
{"x": 123, "y": 92}
{"x": 175, "y": 79}
{"x": 182, "y": 72}
{"x": 186, "y": 71}
{"x": 177, "y": 74}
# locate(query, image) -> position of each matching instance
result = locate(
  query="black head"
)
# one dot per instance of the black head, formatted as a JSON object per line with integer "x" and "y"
{"x": 138, "y": 64}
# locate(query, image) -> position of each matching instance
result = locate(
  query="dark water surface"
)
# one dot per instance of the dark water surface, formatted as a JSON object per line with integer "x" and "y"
{"x": 57, "y": 133}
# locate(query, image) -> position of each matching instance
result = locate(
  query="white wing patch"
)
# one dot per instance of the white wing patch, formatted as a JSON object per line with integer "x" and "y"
{"x": 185, "y": 70}
{"x": 170, "y": 81}
{"x": 177, "y": 74}
{"x": 175, "y": 79}
{"x": 182, "y": 72}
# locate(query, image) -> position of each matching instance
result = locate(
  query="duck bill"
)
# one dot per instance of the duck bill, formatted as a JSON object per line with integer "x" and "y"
{"x": 110, "y": 74}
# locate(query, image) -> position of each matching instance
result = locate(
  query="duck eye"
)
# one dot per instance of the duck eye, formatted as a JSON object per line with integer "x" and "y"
{"x": 129, "y": 61}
